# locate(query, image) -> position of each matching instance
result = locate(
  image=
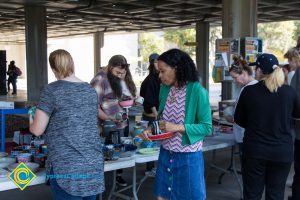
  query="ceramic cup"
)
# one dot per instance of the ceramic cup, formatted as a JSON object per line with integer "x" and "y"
{"x": 137, "y": 141}
{"x": 121, "y": 116}
{"x": 137, "y": 130}
{"x": 139, "y": 100}
{"x": 144, "y": 123}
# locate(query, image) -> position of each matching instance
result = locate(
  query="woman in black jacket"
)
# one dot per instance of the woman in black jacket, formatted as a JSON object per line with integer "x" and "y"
{"x": 265, "y": 110}
{"x": 150, "y": 90}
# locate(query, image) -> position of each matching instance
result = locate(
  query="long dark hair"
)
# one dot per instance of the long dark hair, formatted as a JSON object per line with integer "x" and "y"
{"x": 185, "y": 67}
{"x": 119, "y": 60}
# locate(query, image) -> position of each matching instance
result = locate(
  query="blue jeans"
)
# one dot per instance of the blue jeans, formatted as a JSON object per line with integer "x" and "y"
{"x": 13, "y": 81}
{"x": 59, "y": 194}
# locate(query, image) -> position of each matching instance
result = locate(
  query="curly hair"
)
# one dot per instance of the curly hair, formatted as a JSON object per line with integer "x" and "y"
{"x": 239, "y": 65}
{"x": 185, "y": 67}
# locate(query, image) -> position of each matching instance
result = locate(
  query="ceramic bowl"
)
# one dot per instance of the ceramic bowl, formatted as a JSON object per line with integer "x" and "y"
{"x": 3, "y": 173}
{"x": 24, "y": 157}
{"x": 15, "y": 153}
{"x": 6, "y": 161}
{"x": 32, "y": 166}
{"x": 126, "y": 103}
{"x": 130, "y": 147}
{"x": 110, "y": 153}
{"x": 40, "y": 159}
{"x": 147, "y": 144}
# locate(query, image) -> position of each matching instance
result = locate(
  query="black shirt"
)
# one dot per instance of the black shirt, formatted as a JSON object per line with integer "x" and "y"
{"x": 266, "y": 118}
{"x": 150, "y": 92}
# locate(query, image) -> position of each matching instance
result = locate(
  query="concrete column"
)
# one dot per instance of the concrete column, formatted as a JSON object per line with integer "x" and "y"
{"x": 239, "y": 18}
{"x": 36, "y": 50}
{"x": 202, "y": 52}
{"x": 98, "y": 44}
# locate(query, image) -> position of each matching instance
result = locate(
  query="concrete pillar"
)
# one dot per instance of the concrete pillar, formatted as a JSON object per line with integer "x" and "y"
{"x": 202, "y": 52}
{"x": 98, "y": 44}
{"x": 36, "y": 50}
{"x": 239, "y": 19}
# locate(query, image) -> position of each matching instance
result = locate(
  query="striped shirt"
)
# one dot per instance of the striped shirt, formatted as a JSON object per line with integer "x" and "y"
{"x": 107, "y": 100}
{"x": 174, "y": 112}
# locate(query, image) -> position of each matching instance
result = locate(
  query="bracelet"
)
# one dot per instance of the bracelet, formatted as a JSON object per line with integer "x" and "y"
{"x": 180, "y": 128}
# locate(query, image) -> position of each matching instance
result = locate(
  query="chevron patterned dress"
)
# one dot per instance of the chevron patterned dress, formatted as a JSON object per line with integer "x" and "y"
{"x": 174, "y": 112}
{"x": 180, "y": 169}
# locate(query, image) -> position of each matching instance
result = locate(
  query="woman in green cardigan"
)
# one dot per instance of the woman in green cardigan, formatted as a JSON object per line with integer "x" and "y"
{"x": 184, "y": 110}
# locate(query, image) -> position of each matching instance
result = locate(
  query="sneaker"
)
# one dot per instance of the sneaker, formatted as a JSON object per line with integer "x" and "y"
{"x": 151, "y": 173}
{"x": 121, "y": 181}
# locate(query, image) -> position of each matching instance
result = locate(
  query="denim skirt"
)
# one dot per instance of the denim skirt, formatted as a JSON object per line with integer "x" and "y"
{"x": 180, "y": 176}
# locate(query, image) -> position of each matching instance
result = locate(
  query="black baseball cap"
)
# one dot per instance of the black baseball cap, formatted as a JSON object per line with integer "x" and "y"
{"x": 266, "y": 62}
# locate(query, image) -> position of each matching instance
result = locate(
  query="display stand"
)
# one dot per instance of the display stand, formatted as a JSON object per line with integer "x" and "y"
{"x": 8, "y": 112}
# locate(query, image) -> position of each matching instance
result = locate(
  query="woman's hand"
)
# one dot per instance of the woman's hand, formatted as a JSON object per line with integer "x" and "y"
{"x": 145, "y": 134}
{"x": 170, "y": 127}
{"x": 30, "y": 119}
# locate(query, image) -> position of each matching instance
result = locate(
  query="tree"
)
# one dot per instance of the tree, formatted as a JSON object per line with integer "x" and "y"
{"x": 150, "y": 43}
{"x": 296, "y": 33}
{"x": 180, "y": 37}
{"x": 277, "y": 37}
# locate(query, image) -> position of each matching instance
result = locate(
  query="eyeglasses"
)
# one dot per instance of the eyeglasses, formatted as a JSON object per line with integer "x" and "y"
{"x": 120, "y": 73}
{"x": 125, "y": 66}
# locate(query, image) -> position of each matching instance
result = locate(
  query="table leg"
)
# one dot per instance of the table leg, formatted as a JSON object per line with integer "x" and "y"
{"x": 2, "y": 131}
{"x": 134, "y": 184}
{"x": 232, "y": 169}
{"x": 113, "y": 186}
{"x": 235, "y": 172}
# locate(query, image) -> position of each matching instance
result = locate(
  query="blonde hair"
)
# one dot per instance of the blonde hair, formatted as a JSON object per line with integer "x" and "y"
{"x": 62, "y": 63}
{"x": 274, "y": 80}
{"x": 292, "y": 53}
